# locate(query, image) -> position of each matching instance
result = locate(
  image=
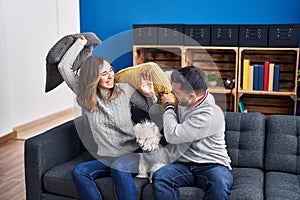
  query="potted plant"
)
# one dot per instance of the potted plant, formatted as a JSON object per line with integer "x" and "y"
{"x": 212, "y": 80}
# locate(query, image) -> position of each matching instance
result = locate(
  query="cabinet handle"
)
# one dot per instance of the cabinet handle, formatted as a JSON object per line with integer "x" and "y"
{"x": 224, "y": 33}
{"x": 283, "y": 34}
{"x": 196, "y": 34}
{"x": 253, "y": 34}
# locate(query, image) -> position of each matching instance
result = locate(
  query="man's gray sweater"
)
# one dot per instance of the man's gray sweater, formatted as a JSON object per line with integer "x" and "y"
{"x": 198, "y": 132}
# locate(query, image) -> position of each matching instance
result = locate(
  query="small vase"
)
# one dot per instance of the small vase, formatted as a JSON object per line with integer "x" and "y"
{"x": 212, "y": 83}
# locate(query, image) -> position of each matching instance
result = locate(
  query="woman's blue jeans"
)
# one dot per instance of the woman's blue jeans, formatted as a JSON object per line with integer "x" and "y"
{"x": 215, "y": 179}
{"x": 122, "y": 171}
{"x": 84, "y": 175}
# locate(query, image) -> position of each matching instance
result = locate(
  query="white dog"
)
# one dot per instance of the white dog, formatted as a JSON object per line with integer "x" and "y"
{"x": 154, "y": 156}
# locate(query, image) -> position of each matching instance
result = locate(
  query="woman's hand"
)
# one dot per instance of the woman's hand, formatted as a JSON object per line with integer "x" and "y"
{"x": 146, "y": 87}
{"x": 82, "y": 39}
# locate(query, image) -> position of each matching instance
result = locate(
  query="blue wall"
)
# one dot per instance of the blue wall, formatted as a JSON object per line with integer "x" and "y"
{"x": 109, "y": 17}
{"x": 112, "y": 20}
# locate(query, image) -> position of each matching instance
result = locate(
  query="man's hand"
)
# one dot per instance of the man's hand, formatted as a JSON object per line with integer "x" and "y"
{"x": 146, "y": 87}
{"x": 165, "y": 98}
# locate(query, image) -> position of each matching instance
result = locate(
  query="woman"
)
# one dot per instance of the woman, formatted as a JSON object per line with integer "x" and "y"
{"x": 108, "y": 110}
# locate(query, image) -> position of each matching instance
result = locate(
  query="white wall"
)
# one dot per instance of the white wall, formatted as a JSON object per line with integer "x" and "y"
{"x": 28, "y": 29}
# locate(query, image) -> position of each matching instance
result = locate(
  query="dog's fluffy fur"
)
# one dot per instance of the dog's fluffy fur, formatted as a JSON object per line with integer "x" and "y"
{"x": 154, "y": 156}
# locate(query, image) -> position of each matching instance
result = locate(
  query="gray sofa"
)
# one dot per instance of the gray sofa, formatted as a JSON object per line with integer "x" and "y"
{"x": 282, "y": 159}
{"x": 51, "y": 156}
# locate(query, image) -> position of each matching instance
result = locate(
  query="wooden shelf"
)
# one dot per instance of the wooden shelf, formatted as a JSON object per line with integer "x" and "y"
{"x": 283, "y": 101}
{"x": 286, "y": 58}
{"x": 226, "y": 62}
{"x": 217, "y": 60}
{"x": 168, "y": 57}
{"x": 268, "y": 104}
{"x": 221, "y": 90}
{"x": 258, "y": 92}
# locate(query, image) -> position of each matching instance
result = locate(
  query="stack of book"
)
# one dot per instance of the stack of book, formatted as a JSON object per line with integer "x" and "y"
{"x": 260, "y": 77}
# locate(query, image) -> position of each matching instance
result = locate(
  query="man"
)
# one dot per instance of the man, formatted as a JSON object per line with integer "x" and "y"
{"x": 197, "y": 129}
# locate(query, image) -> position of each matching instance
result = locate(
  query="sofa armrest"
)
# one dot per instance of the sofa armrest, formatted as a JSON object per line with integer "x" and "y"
{"x": 46, "y": 150}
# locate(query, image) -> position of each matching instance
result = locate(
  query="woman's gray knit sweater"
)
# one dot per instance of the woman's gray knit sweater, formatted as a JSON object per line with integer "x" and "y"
{"x": 111, "y": 125}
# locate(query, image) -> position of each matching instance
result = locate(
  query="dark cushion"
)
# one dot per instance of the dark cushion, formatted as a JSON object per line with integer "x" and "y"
{"x": 53, "y": 77}
{"x": 49, "y": 196}
{"x": 186, "y": 193}
{"x": 59, "y": 180}
{"x": 248, "y": 184}
{"x": 282, "y": 186}
{"x": 59, "y": 49}
{"x": 91, "y": 38}
{"x": 55, "y": 54}
{"x": 283, "y": 144}
{"x": 245, "y": 138}
{"x": 106, "y": 187}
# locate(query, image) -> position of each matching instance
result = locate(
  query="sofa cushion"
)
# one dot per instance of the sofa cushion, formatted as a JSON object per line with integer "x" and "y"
{"x": 49, "y": 196}
{"x": 283, "y": 144}
{"x": 59, "y": 180}
{"x": 248, "y": 184}
{"x": 186, "y": 193}
{"x": 282, "y": 186}
{"x": 107, "y": 191}
{"x": 245, "y": 138}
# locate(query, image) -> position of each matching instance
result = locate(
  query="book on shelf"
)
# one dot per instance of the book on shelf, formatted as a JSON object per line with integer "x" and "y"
{"x": 246, "y": 63}
{"x": 255, "y": 77}
{"x": 266, "y": 75}
{"x": 260, "y": 74}
{"x": 271, "y": 76}
{"x": 250, "y": 77}
{"x": 261, "y": 71}
{"x": 276, "y": 78}
{"x": 258, "y": 77}
{"x": 241, "y": 106}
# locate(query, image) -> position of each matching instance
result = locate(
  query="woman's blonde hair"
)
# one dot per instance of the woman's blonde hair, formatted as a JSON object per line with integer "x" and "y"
{"x": 89, "y": 76}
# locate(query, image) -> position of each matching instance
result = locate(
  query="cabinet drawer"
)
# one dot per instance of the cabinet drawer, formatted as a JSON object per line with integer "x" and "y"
{"x": 284, "y": 35}
{"x": 253, "y": 35}
{"x": 224, "y": 35}
{"x": 195, "y": 35}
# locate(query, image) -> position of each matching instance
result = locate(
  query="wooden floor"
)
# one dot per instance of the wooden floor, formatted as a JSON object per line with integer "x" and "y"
{"x": 12, "y": 179}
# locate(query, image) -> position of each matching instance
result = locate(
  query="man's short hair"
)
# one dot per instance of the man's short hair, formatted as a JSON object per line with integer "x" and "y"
{"x": 191, "y": 78}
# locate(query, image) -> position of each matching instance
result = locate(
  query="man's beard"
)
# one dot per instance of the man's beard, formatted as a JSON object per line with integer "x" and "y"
{"x": 185, "y": 103}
